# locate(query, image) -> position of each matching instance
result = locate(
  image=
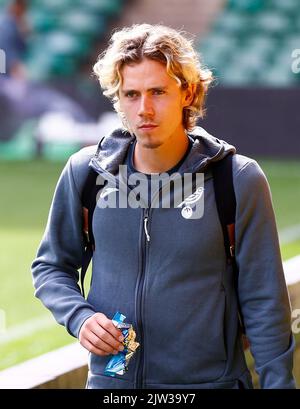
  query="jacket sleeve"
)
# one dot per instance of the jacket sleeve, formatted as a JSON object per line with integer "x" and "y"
{"x": 55, "y": 269}
{"x": 262, "y": 289}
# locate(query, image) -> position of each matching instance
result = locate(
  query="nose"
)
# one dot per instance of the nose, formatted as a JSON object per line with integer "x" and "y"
{"x": 145, "y": 106}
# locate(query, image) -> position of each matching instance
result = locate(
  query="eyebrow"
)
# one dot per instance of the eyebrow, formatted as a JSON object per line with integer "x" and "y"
{"x": 125, "y": 91}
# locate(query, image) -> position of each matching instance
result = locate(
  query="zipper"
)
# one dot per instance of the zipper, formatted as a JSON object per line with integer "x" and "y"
{"x": 143, "y": 246}
{"x": 144, "y": 243}
{"x": 146, "y": 218}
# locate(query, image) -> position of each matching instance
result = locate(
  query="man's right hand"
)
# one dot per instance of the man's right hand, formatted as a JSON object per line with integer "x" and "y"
{"x": 99, "y": 336}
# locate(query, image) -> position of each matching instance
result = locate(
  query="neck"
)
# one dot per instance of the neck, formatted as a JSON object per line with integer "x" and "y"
{"x": 162, "y": 158}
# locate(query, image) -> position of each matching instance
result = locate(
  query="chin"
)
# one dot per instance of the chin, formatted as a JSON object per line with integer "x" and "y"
{"x": 148, "y": 143}
{"x": 151, "y": 145}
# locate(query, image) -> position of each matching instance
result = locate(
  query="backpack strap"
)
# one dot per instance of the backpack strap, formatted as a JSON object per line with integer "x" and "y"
{"x": 226, "y": 202}
{"x": 226, "y": 206}
{"x": 88, "y": 200}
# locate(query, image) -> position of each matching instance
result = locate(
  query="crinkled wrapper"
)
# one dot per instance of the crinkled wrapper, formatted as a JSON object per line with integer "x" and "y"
{"x": 118, "y": 364}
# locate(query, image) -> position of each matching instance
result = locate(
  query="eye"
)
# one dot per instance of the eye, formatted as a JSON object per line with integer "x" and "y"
{"x": 130, "y": 94}
{"x": 158, "y": 91}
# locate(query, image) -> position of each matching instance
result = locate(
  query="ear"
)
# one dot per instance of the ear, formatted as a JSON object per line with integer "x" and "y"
{"x": 188, "y": 95}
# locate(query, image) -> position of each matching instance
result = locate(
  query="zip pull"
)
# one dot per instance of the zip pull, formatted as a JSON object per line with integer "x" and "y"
{"x": 145, "y": 225}
{"x": 145, "y": 228}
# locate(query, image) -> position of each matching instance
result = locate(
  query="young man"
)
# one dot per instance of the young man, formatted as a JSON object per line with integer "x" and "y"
{"x": 165, "y": 267}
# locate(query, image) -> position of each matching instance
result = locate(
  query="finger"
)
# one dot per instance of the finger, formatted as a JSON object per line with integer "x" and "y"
{"x": 108, "y": 325}
{"x": 91, "y": 348}
{"x": 100, "y": 344}
{"x": 106, "y": 337}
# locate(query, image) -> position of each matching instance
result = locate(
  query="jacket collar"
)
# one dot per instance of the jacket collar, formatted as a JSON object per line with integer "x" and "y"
{"x": 112, "y": 150}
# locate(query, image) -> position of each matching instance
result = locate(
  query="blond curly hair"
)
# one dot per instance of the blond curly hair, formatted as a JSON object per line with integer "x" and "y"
{"x": 159, "y": 43}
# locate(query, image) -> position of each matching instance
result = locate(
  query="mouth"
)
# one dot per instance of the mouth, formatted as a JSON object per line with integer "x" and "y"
{"x": 147, "y": 126}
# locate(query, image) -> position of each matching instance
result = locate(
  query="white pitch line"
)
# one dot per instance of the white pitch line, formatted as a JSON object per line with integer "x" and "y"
{"x": 26, "y": 329}
{"x": 289, "y": 234}
{"x": 291, "y": 269}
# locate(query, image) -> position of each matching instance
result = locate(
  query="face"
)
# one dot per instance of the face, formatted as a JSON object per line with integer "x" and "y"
{"x": 152, "y": 103}
{"x": 19, "y": 9}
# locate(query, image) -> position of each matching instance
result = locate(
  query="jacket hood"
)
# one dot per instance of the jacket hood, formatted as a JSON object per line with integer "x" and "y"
{"x": 112, "y": 150}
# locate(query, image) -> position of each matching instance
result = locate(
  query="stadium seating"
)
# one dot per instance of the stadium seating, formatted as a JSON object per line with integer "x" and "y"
{"x": 251, "y": 43}
{"x": 64, "y": 32}
{"x": 63, "y": 35}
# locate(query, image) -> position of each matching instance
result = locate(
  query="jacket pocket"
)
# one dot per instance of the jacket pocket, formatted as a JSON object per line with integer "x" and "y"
{"x": 107, "y": 382}
{"x": 189, "y": 347}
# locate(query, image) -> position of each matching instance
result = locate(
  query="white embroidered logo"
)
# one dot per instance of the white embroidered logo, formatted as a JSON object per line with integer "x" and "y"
{"x": 188, "y": 203}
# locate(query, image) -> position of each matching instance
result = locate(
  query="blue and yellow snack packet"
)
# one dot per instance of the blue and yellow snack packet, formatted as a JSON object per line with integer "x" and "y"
{"x": 118, "y": 364}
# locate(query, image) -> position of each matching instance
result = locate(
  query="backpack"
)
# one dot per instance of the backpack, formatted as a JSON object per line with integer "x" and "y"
{"x": 226, "y": 206}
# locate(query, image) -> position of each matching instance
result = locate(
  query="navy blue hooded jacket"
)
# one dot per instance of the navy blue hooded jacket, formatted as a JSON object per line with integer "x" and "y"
{"x": 172, "y": 281}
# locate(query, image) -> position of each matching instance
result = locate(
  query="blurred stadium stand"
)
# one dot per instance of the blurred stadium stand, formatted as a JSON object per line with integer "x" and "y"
{"x": 193, "y": 16}
{"x": 247, "y": 43}
{"x": 249, "y": 48}
{"x": 251, "y": 42}
{"x": 64, "y": 32}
